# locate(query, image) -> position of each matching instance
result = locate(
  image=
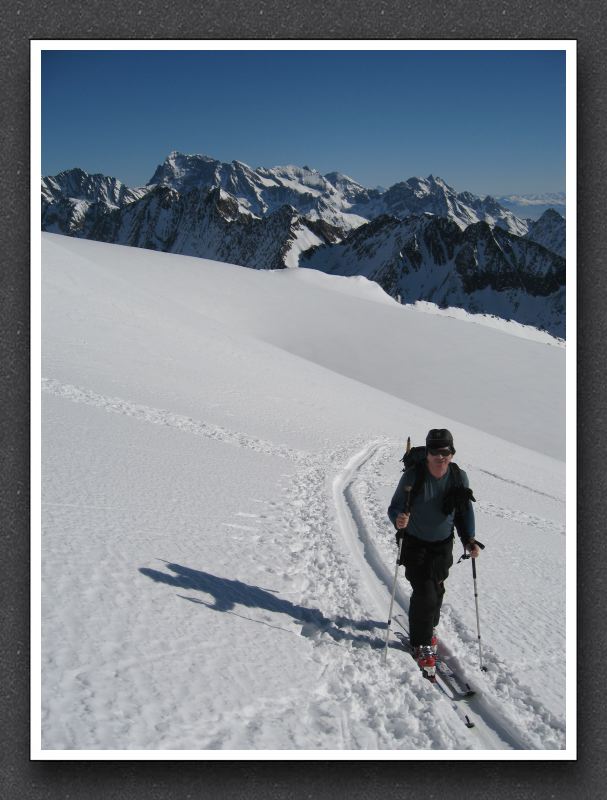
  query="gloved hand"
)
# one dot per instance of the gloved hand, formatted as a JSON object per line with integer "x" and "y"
{"x": 402, "y": 520}
{"x": 473, "y": 548}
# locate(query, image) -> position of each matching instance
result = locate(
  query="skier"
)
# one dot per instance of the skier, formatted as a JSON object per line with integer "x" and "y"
{"x": 440, "y": 500}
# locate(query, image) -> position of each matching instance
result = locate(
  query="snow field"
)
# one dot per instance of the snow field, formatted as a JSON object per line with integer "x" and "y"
{"x": 124, "y": 688}
{"x": 216, "y": 557}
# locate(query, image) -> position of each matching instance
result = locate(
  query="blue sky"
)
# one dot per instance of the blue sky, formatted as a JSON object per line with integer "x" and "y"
{"x": 491, "y": 122}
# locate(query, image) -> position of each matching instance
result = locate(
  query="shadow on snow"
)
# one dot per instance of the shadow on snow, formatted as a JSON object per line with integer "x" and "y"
{"x": 227, "y": 594}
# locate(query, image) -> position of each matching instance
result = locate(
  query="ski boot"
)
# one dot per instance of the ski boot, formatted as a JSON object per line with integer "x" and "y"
{"x": 426, "y": 661}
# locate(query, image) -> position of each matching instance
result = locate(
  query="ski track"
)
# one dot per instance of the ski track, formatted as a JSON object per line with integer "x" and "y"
{"x": 379, "y": 582}
{"x": 491, "y": 710}
{"x": 344, "y": 577}
{"x": 530, "y": 520}
{"x": 158, "y": 416}
{"x": 521, "y": 486}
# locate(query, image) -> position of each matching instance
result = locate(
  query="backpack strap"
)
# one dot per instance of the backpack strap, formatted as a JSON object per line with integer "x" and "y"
{"x": 420, "y": 479}
{"x": 458, "y": 496}
{"x": 457, "y": 475}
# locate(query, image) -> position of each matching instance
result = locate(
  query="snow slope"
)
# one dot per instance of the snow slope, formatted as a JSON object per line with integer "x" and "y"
{"x": 220, "y": 446}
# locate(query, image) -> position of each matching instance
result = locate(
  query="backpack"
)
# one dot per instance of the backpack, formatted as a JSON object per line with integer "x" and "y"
{"x": 458, "y": 495}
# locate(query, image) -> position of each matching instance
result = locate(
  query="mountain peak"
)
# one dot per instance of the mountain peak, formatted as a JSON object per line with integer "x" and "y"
{"x": 435, "y": 180}
{"x": 552, "y": 214}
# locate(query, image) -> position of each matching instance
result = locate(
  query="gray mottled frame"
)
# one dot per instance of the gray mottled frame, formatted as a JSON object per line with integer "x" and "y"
{"x": 583, "y": 20}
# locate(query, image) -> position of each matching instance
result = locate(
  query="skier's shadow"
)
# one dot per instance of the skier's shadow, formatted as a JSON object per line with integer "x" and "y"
{"x": 227, "y": 594}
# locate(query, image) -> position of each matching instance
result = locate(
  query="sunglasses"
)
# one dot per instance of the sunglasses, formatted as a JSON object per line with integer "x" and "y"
{"x": 444, "y": 453}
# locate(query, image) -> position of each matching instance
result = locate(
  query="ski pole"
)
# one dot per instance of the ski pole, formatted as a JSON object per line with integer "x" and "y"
{"x": 385, "y": 654}
{"x": 400, "y": 547}
{"x": 478, "y": 622}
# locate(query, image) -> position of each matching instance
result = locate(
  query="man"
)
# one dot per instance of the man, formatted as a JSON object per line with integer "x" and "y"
{"x": 440, "y": 501}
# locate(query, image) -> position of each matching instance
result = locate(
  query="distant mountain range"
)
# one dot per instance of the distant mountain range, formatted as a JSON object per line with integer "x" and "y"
{"x": 482, "y": 269}
{"x": 419, "y": 239}
{"x": 532, "y": 206}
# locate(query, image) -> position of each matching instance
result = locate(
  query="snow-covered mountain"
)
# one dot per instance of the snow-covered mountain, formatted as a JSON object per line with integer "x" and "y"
{"x": 480, "y": 269}
{"x": 78, "y": 185}
{"x": 433, "y": 196}
{"x": 219, "y": 448}
{"x": 266, "y": 218}
{"x": 333, "y": 199}
{"x": 262, "y": 191}
{"x": 549, "y": 230}
{"x": 208, "y": 223}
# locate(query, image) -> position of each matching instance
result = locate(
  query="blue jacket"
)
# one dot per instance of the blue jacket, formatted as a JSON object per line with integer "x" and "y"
{"x": 427, "y": 521}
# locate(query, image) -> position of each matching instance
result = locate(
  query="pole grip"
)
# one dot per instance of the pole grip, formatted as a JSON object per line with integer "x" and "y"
{"x": 408, "y": 503}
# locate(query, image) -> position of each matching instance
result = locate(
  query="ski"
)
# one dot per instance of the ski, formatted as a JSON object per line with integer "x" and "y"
{"x": 455, "y": 705}
{"x": 459, "y": 684}
{"x": 450, "y": 676}
{"x": 450, "y": 692}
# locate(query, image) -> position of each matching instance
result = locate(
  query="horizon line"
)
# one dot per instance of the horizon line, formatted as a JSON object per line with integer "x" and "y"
{"x": 432, "y": 176}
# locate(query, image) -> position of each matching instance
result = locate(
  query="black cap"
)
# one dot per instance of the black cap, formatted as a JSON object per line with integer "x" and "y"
{"x": 438, "y": 438}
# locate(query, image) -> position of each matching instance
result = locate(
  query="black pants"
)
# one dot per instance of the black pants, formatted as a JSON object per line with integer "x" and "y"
{"x": 427, "y": 566}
